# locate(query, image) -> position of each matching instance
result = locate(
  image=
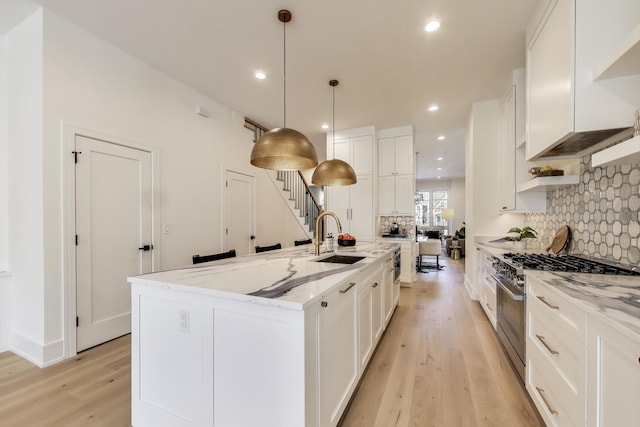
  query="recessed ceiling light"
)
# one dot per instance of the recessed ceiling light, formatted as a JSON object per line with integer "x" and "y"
{"x": 260, "y": 75}
{"x": 439, "y": 169}
{"x": 434, "y": 107}
{"x": 325, "y": 126}
{"x": 438, "y": 177}
{"x": 432, "y": 26}
{"x": 440, "y": 158}
{"x": 441, "y": 137}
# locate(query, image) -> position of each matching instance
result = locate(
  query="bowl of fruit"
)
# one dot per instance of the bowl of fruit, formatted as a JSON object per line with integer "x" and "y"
{"x": 346, "y": 240}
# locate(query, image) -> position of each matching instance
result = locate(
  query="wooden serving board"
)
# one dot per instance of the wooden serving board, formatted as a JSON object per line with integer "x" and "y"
{"x": 560, "y": 240}
{"x": 555, "y": 172}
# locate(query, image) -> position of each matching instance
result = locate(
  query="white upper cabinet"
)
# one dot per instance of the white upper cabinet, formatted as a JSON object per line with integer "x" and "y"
{"x": 514, "y": 170}
{"x": 354, "y": 204}
{"x": 565, "y": 42}
{"x": 357, "y": 151}
{"x": 396, "y": 175}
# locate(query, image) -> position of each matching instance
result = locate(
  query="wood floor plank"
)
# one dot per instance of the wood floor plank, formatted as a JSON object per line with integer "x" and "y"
{"x": 439, "y": 364}
{"x": 461, "y": 375}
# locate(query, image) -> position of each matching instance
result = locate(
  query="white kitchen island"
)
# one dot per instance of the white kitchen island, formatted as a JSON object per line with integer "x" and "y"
{"x": 273, "y": 339}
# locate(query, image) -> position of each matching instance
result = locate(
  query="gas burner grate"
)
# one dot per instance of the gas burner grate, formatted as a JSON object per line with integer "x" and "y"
{"x": 566, "y": 263}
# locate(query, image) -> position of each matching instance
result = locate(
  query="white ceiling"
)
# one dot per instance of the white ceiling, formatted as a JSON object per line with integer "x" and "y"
{"x": 390, "y": 70}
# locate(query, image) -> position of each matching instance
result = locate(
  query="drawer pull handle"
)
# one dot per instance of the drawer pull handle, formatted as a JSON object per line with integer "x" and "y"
{"x": 375, "y": 284}
{"x": 324, "y": 304}
{"x": 544, "y": 399}
{"x": 544, "y": 343}
{"x": 551, "y": 306}
{"x": 351, "y": 285}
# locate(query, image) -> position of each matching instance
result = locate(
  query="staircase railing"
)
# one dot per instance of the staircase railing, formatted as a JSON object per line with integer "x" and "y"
{"x": 301, "y": 195}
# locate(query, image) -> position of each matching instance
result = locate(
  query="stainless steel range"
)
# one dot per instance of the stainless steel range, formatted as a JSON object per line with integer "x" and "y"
{"x": 508, "y": 273}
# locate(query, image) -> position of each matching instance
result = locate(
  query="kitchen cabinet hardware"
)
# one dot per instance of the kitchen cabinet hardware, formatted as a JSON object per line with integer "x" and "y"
{"x": 551, "y": 306}
{"x": 544, "y": 343}
{"x": 544, "y": 399}
{"x": 324, "y": 304}
{"x": 375, "y": 285}
{"x": 389, "y": 259}
{"x": 146, "y": 248}
{"x": 391, "y": 269}
{"x": 351, "y": 285}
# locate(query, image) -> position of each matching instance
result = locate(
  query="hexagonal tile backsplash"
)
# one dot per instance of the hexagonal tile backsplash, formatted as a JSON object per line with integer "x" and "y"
{"x": 602, "y": 211}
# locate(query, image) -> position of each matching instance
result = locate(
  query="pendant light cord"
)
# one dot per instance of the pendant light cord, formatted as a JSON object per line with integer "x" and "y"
{"x": 284, "y": 68}
{"x": 334, "y": 122}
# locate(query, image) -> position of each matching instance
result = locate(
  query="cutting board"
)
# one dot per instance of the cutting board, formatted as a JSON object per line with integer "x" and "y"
{"x": 560, "y": 240}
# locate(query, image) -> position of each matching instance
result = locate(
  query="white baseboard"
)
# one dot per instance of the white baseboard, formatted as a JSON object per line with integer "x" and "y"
{"x": 36, "y": 353}
{"x": 470, "y": 289}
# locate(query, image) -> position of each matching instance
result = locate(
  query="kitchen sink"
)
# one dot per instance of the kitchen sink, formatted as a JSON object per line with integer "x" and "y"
{"x": 341, "y": 259}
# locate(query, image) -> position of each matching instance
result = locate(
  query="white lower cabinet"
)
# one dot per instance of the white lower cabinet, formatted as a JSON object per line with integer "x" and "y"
{"x": 486, "y": 286}
{"x": 369, "y": 316}
{"x": 200, "y": 360}
{"x": 555, "y": 355}
{"x": 613, "y": 375}
{"x": 338, "y": 352}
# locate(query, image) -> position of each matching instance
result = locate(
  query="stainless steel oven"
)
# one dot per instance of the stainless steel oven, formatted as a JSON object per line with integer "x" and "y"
{"x": 511, "y": 313}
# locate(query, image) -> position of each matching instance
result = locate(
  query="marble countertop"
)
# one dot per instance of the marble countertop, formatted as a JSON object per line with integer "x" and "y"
{"x": 614, "y": 298}
{"x": 286, "y": 278}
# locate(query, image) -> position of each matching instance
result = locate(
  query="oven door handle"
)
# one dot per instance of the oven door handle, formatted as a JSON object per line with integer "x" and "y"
{"x": 507, "y": 290}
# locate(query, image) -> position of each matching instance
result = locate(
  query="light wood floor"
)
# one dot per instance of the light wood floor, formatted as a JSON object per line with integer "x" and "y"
{"x": 439, "y": 364}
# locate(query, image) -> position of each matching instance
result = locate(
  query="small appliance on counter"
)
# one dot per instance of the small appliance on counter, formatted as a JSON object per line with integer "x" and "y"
{"x": 394, "y": 228}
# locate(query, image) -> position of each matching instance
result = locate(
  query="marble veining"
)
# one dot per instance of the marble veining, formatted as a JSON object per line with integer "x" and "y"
{"x": 615, "y": 297}
{"x": 282, "y": 286}
{"x": 288, "y": 277}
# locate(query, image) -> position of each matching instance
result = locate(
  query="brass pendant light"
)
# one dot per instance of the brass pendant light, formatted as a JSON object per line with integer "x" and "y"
{"x": 284, "y": 149}
{"x": 335, "y": 171}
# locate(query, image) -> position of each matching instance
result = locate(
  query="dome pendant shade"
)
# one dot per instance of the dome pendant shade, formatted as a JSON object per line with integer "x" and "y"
{"x": 284, "y": 149}
{"x": 334, "y": 172}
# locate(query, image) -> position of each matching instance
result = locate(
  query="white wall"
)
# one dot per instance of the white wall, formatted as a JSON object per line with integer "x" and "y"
{"x": 482, "y": 195}
{"x": 74, "y": 78}
{"x": 25, "y": 193}
{"x": 5, "y": 282}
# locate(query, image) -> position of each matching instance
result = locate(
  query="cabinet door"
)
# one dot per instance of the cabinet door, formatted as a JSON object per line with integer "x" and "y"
{"x": 388, "y": 294}
{"x": 361, "y": 223}
{"x": 386, "y": 195}
{"x": 377, "y": 314}
{"x": 338, "y": 358}
{"x": 404, "y": 195}
{"x": 365, "y": 324}
{"x": 508, "y": 153}
{"x": 341, "y": 150}
{"x": 613, "y": 393}
{"x": 386, "y": 156}
{"x": 550, "y": 79}
{"x": 404, "y": 155}
{"x": 338, "y": 202}
{"x": 362, "y": 154}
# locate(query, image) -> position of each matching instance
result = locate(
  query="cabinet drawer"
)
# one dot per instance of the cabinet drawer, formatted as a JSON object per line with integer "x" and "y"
{"x": 561, "y": 350}
{"x": 557, "y": 402}
{"x": 557, "y": 308}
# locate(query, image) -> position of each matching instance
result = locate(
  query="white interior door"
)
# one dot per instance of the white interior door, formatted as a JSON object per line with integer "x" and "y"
{"x": 239, "y": 213}
{"x": 113, "y": 223}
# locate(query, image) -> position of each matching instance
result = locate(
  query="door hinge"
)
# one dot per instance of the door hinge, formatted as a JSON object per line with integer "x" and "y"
{"x": 75, "y": 156}
{"x": 76, "y": 240}
{"x": 77, "y": 321}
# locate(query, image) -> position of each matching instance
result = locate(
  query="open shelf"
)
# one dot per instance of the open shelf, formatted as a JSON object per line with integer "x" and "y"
{"x": 626, "y": 152}
{"x": 545, "y": 183}
{"x": 624, "y": 59}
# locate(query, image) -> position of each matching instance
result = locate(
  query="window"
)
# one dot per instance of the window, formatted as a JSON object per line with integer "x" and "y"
{"x": 429, "y": 206}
